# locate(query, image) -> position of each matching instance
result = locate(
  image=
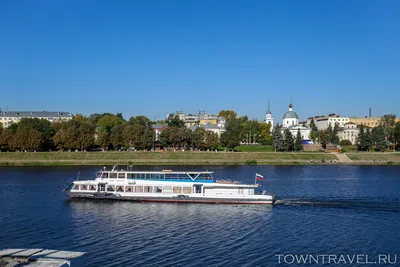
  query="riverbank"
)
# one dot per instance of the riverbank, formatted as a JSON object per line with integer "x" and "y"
{"x": 192, "y": 158}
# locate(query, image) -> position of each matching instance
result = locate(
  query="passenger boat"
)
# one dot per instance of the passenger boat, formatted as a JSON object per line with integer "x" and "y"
{"x": 167, "y": 186}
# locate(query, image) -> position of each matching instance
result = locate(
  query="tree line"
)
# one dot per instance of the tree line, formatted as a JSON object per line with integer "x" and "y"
{"x": 111, "y": 132}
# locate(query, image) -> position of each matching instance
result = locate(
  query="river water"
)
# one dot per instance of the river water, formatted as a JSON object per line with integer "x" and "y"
{"x": 343, "y": 211}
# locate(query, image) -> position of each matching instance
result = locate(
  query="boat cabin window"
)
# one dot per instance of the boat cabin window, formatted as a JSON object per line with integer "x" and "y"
{"x": 92, "y": 188}
{"x": 121, "y": 175}
{"x": 139, "y": 189}
{"x": 104, "y": 175}
{"x": 110, "y": 188}
{"x": 148, "y": 189}
{"x": 157, "y": 189}
{"x": 177, "y": 189}
{"x": 75, "y": 187}
{"x": 120, "y": 189}
{"x": 113, "y": 175}
{"x": 129, "y": 189}
{"x": 83, "y": 187}
{"x": 167, "y": 189}
{"x": 187, "y": 190}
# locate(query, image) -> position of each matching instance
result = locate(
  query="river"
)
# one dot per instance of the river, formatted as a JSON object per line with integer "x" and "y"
{"x": 337, "y": 210}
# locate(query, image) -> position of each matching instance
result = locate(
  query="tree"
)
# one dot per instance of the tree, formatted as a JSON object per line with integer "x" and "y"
{"x": 104, "y": 126}
{"x": 334, "y": 138}
{"x": 199, "y": 137}
{"x": 227, "y": 114}
{"x": 140, "y": 120}
{"x": 323, "y": 138}
{"x": 288, "y": 141}
{"x": 26, "y": 138}
{"x": 174, "y": 121}
{"x": 329, "y": 135}
{"x": 211, "y": 140}
{"x": 345, "y": 142}
{"x": 85, "y": 135}
{"x": 298, "y": 146}
{"x": 116, "y": 136}
{"x": 44, "y": 128}
{"x": 5, "y": 138}
{"x": 313, "y": 136}
{"x": 277, "y": 138}
{"x": 379, "y": 138}
{"x": 397, "y": 133}
{"x": 361, "y": 139}
{"x": 265, "y": 133}
{"x": 232, "y": 136}
{"x": 388, "y": 123}
{"x": 368, "y": 141}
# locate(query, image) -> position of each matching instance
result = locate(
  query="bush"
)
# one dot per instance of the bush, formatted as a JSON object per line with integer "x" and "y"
{"x": 345, "y": 143}
{"x": 251, "y": 162}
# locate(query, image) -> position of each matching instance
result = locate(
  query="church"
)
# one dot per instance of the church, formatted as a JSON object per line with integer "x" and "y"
{"x": 291, "y": 121}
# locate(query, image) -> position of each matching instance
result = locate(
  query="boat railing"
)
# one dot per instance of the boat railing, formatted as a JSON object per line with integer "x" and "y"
{"x": 228, "y": 181}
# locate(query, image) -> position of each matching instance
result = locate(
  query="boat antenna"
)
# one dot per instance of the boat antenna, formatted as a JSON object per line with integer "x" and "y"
{"x": 77, "y": 178}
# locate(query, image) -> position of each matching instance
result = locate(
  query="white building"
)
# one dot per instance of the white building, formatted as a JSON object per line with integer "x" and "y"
{"x": 349, "y": 132}
{"x": 7, "y": 118}
{"x": 291, "y": 121}
{"x": 218, "y": 128}
{"x": 323, "y": 122}
{"x": 268, "y": 117}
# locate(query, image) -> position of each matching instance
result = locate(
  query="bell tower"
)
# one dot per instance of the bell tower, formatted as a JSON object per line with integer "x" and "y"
{"x": 268, "y": 117}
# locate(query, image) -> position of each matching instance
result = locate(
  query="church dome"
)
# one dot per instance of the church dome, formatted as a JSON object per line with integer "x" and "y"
{"x": 290, "y": 115}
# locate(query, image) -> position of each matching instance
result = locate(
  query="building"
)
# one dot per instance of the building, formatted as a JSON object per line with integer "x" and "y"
{"x": 291, "y": 121}
{"x": 217, "y": 128}
{"x": 268, "y": 117}
{"x": 158, "y": 128}
{"x": 208, "y": 118}
{"x": 349, "y": 132}
{"x": 196, "y": 119}
{"x": 7, "y": 118}
{"x": 323, "y": 122}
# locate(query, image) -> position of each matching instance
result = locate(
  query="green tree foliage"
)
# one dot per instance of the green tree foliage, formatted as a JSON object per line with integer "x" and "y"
{"x": 138, "y": 136}
{"x": 313, "y": 126}
{"x": 43, "y": 126}
{"x": 368, "y": 140}
{"x": 298, "y": 145}
{"x": 313, "y": 136}
{"x": 265, "y": 133}
{"x": 345, "y": 142}
{"x": 388, "y": 123}
{"x": 288, "y": 141}
{"x": 211, "y": 140}
{"x": 379, "y": 138}
{"x": 75, "y": 134}
{"x": 277, "y": 138}
{"x": 140, "y": 120}
{"x": 116, "y": 136}
{"x": 334, "y": 138}
{"x": 5, "y": 138}
{"x": 397, "y": 133}
{"x": 199, "y": 138}
{"x": 361, "y": 139}
{"x": 26, "y": 138}
{"x": 227, "y": 114}
{"x": 174, "y": 121}
{"x": 323, "y": 138}
{"x": 105, "y": 124}
{"x": 233, "y": 132}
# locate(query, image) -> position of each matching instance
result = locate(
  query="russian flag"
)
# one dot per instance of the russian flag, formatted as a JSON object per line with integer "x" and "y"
{"x": 259, "y": 177}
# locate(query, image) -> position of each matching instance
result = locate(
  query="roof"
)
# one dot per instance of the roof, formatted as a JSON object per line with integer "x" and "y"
{"x": 290, "y": 115}
{"x": 36, "y": 114}
{"x": 158, "y": 126}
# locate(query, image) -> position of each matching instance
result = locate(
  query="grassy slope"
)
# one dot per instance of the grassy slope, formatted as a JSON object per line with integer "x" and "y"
{"x": 160, "y": 157}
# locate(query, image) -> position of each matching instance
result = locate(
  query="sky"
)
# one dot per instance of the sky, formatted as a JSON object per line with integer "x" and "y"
{"x": 157, "y": 57}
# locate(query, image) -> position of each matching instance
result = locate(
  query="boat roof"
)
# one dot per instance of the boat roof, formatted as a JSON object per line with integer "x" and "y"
{"x": 159, "y": 172}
